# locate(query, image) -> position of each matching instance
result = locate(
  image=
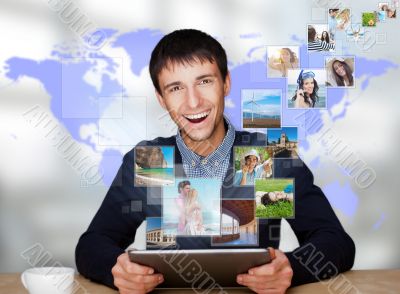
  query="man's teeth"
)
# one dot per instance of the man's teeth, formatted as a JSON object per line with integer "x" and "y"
{"x": 197, "y": 116}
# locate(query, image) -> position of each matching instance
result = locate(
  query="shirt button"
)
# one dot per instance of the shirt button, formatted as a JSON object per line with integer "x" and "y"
{"x": 204, "y": 161}
{"x": 193, "y": 163}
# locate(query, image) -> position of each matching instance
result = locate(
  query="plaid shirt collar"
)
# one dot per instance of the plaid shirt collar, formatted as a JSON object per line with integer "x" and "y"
{"x": 213, "y": 165}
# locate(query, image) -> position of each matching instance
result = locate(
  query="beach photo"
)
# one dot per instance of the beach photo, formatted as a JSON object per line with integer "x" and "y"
{"x": 274, "y": 198}
{"x": 154, "y": 165}
{"x": 306, "y": 88}
{"x": 192, "y": 207}
{"x": 283, "y": 143}
{"x": 238, "y": 224}
{"x": 280, "y": 59}
{"x": 261, "y": 108}
{"x": 156, "y": 238}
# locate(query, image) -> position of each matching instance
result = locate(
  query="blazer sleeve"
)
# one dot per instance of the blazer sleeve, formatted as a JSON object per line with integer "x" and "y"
{"x": 325, "y": 248}
{"x": 113, "y": 228}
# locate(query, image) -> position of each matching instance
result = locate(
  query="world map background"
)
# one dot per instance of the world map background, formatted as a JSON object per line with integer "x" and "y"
{"x": 105, "y": 102}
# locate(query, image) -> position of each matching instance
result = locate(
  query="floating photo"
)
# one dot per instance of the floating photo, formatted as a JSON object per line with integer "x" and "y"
{"x": 332, "y": 22}
{"x": 382, "y": 8}
{"x": 251, "y": 162}
{"x": 355, "y": 32}
{"x": 319, "y": 38}
{"x": 192, "y": 207}
{"x": 261, "y": 108}
{"x": 306, "y": 88}
{"x": 239, "y": 225}
{"x": 343, "y": 19}
{"x": 154, "y": 165}
{"x": 283, "y": 143}
{"x": 340, "y": 71}
{"x": 156, "y": 238}
{"x": 274, "y": 198}
{"x": 387, "y": 10}
{"x": 369, "y": 19}
{"x": 280, "y": 59}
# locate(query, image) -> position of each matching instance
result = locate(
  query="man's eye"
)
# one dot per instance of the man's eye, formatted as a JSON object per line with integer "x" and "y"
{"x": 175, "y": 88}
{"x": 205, "y": 81}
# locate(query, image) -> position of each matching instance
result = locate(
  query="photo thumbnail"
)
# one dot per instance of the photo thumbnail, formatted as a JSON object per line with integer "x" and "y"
{"x": 274, "y": 198}
{"x": 319, "y": 38}
{"x": 192, "y": 207}
{"x": 307, "y": 88}
{"x": 340, "y": 71}
{"x": 261, "y": 108}
{"x": 280, "y": 59}
{"x": 154, "y": 165}
{"x": 239, "y": 225}
{"x": 251, "y": 162}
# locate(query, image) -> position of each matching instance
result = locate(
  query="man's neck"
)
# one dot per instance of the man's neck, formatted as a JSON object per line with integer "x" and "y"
{"x": 206, "y": 147}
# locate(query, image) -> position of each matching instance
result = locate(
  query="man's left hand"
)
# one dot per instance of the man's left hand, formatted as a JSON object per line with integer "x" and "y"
{"x": 273, "y": 277}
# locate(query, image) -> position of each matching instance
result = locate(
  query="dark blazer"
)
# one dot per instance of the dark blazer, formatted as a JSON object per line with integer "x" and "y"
{"x": 325, "y": 248}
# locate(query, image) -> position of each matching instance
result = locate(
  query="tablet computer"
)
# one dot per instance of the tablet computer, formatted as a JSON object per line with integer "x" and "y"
{"x": 200, "y": 268}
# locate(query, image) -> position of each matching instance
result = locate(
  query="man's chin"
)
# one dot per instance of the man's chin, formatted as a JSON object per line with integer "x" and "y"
{"x": 195, "y": 135}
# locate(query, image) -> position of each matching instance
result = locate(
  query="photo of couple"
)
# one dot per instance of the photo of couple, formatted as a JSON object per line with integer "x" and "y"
{"x": 194, "y": 211}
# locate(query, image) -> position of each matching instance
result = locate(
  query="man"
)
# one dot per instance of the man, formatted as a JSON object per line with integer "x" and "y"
{"x": 189, "y": 71}
{"x": 251, "y": 170}
{"x": 332, "y": 22}
{"x": 183, "y": 190}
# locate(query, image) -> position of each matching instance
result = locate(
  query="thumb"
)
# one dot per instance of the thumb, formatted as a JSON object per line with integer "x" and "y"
{"x": 272, "y": 253}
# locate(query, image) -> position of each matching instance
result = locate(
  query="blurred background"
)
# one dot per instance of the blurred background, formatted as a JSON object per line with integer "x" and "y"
{"x": 75, "y": 95}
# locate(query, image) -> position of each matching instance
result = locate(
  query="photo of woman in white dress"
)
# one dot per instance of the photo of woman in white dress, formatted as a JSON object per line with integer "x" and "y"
{"x": 194, "y": 218}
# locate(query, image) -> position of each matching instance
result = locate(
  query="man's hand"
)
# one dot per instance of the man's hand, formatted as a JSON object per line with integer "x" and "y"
{"x": 274, "y": 277}
{"x": 245, "y": 169}
{"x": 132, "y": 278}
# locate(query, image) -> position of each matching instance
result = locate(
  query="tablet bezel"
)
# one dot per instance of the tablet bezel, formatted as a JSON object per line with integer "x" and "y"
{"x": 216, "y": 263}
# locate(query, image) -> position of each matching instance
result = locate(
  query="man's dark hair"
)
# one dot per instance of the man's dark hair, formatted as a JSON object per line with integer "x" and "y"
{"x": 186, "y": 46}
{"x": 182, "y": 185}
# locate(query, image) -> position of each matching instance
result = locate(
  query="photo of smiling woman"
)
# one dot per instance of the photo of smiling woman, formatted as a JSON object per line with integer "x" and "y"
{"x": 280, "y": 59}
{"x": 307, "y": 88}
{"x": 340, "y": 71}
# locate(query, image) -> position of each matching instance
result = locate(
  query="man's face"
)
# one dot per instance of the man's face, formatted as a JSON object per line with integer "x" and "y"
{"x": 251, "y": 161}
{"x": 193, "y": 94}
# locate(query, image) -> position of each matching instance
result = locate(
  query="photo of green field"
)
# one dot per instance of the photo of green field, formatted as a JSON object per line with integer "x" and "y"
{"x": 274, "y": 198}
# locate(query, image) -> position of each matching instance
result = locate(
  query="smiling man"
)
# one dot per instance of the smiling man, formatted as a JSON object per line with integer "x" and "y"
{"x": 189, "y": 72}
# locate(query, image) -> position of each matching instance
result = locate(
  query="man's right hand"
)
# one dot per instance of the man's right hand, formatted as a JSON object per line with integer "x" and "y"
{"x": 245, "y": 169}
{"x": 133, "y": 278}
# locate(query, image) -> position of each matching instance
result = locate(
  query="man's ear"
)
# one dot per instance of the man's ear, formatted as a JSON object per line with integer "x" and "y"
{"x": 227, "y": 84}
{"x": 161, "y": 100}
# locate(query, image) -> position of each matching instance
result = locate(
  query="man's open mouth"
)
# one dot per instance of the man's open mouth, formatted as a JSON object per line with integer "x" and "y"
{"x": 197, "y": 118}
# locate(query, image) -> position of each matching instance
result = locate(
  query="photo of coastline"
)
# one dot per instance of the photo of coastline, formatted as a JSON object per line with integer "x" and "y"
{"x": 154, "y": 166}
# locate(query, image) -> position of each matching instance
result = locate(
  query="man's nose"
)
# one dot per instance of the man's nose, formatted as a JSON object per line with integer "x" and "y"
{"x": 193, "y": 97}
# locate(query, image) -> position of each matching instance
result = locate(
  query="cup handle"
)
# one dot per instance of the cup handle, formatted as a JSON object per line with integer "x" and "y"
{"x": 23, "y": 280}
